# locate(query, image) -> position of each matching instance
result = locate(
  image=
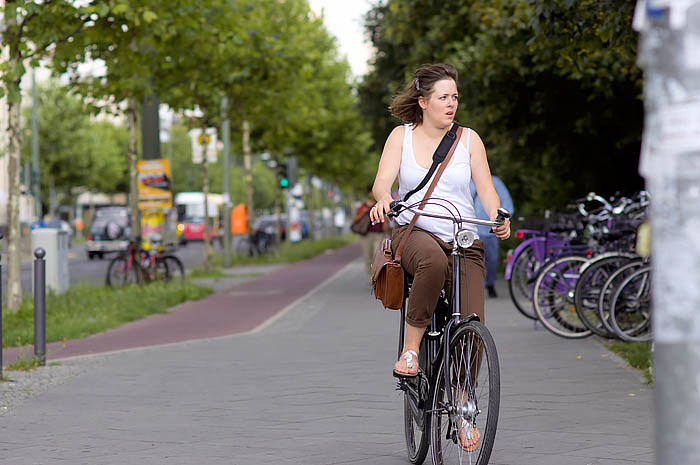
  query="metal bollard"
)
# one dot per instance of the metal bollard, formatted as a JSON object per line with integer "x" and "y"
{"x": 40, "y": 305}
{"x": 0, "y": 314}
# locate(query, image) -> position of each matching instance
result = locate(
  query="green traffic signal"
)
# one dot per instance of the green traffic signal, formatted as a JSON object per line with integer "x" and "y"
{"x": 284, "y": 182}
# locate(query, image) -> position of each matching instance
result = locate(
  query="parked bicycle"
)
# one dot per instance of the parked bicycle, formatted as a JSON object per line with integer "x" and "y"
{"x": 136, "y": 265}
{"x": 457, "y": 389}
{"x": 574, "y": 292}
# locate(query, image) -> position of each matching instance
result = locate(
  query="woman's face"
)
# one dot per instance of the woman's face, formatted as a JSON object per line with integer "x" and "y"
{"x": 441, "y": 105}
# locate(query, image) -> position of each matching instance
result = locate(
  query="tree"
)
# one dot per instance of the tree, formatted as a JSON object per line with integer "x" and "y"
{"x": 75, "y": 150}
{"x": 31, "y": 30}
{"x": 133, "y": 39}
{"x": 552, "y": 86}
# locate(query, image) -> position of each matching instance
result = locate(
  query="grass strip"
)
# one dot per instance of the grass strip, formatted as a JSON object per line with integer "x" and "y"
{"x": 87, "y": 309}
{"x": 637, "y": 354}
{"x": 292, "y": 252}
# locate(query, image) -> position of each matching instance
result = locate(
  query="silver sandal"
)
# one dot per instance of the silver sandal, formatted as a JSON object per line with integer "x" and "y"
{"x": 409, "y": 355}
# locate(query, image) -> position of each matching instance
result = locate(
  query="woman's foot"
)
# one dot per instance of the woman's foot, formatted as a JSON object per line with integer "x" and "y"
{"x": 407, "y": 365}
{"x": 469, "y": 436}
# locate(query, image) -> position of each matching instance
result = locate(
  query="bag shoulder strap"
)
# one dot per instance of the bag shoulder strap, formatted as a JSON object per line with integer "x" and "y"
{"x": 439, "y": 155}
{"x": 429, "y": 192}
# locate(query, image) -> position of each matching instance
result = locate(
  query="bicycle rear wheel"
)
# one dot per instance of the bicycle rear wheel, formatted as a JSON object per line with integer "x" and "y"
{"x": 630, "y": 308}
{"x": 521, "y": 280}
{"x": 120, "y": 273}
{"x": 589, "y": 287}
{"x": 553, "y": 297}
{"x": 611, "y": 284}
{"x": 475, "y": 383}
{"x": 416, "y": 418}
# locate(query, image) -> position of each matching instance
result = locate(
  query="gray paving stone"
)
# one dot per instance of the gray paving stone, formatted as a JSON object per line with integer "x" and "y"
{"x": 314, "y": 387}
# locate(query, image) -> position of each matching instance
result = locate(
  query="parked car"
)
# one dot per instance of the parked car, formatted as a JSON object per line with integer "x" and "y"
{"x": 110, "y": 231}
{"x": 192, "y": 229}
{"x": 62, "y": 226}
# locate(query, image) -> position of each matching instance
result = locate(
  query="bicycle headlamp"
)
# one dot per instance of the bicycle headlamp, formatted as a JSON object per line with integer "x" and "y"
{"x": 465, "y": 238}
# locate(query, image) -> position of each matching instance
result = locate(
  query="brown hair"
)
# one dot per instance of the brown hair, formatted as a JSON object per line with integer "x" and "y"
{"x": 405, "y": 103}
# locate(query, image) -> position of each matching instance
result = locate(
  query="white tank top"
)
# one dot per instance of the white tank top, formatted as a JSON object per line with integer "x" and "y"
{"x": 452, "y": 186}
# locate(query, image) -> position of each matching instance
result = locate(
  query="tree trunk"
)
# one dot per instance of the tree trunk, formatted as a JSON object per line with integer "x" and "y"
{"x": 133, "y": 170}
{"x": 248, "y": 170}
{"x": 14, "y": 251}
{"x": 205, "y": 189}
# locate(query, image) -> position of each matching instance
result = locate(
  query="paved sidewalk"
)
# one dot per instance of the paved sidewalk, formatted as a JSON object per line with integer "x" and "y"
{"x": 314, "y": 387}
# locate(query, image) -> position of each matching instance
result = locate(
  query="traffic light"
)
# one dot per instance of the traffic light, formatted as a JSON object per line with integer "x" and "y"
{"x": 283, "y": 175}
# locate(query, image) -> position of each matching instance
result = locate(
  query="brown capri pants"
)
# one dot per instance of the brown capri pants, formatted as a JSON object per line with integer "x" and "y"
{"x": 427, "y": 258}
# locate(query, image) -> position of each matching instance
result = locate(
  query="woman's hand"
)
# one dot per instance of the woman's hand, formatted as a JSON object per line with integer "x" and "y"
{"x": 503, "y": 231}
{"x": 378, "y": 211}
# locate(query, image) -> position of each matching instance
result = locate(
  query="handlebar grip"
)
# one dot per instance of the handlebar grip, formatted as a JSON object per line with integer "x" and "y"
{"x": 393, "y": 209}
{"x": 502, "y": 215}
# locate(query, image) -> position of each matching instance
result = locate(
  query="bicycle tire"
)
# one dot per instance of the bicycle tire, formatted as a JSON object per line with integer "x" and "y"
{"x": 589, "y": 286}
{"x": 246, "y": 248}
{"x": 553, "y": 297}
{"x": 120, "y": 273}
{"x": 520, "y": 283}
{"x": 416, "y": 418}
{"x": 483, "y": 396}
{"x": 175, "y": 268}
{"x": 608, "y": 290}
{"x": 631, "y": 306}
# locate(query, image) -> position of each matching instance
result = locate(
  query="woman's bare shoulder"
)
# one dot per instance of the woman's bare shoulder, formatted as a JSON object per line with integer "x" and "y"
{"x": 398, "y": 131}
{"x": 396, "y": 136}
{"x": 474, "y": 141}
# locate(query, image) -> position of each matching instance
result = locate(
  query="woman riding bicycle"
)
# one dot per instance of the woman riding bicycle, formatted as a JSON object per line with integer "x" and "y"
{"x": 427, "y": 105}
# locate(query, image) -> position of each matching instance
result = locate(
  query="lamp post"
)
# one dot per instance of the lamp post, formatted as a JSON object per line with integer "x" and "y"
{"x": 670, "y": 163}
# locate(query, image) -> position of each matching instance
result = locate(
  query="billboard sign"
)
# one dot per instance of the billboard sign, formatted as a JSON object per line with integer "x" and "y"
{"x": 154, "y": 184}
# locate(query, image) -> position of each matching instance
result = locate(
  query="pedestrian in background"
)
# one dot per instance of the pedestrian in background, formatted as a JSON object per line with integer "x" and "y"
{"x": 373, "y": 237}
{"x": 491, "y": 242}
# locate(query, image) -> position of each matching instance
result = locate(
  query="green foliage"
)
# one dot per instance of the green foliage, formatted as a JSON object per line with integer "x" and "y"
{"x": 24, "y": 364}
{"x": 551, "y": 86}
{"x": 87, "y": 309}
{"x": 186, "y": 176}
{"x": 73, "y": 149}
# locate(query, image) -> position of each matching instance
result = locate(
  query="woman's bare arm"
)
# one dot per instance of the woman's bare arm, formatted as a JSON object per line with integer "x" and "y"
{"x": 387, "y": 172}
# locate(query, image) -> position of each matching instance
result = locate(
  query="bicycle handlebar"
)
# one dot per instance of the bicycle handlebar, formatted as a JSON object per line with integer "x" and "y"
{"x": 397, "y": 206}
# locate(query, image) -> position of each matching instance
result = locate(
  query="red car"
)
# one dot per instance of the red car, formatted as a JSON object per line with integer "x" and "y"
{"x": 192, "y": 229}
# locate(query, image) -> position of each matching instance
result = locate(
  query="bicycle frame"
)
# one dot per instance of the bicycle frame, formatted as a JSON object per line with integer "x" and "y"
{"x": 438, "y": 338}
{"x": 544, "y": 244}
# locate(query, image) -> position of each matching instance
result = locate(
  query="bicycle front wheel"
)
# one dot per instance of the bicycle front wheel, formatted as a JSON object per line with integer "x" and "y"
{"x": 475, "y": 388}
{"x": 521, "y": 279}
{"x": 121, "y": 273}
{"x": 553, "y": 296}
{"x": 416, "y": 418}
{"x": 176, "y": 270}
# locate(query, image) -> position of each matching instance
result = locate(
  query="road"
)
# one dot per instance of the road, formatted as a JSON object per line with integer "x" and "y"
{"x": 83, "y": 269}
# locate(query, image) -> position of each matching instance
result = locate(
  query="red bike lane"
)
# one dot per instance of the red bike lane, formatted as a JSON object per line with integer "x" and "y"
{"x": 240, "y": 309}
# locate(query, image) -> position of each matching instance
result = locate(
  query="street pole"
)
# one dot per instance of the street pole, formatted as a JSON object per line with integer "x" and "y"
{"x": 36, "y": 176}
{"x": 226, "y": 182}
{"x": 670, "y": 163}
{"x": 248, "y": 174}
